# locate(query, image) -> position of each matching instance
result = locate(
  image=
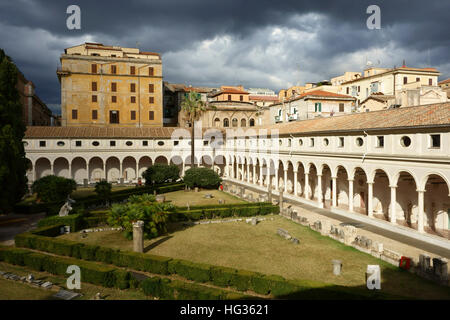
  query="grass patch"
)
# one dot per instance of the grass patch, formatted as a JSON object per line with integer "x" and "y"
{"x": 182, "y": 198}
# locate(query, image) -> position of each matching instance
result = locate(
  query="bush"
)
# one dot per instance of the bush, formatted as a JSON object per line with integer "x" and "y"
{"x": 53, "y": 188}
{"x": 103, "y": 190}
{"x": 202, "y": 177}
{"x": 161, "y": 173}
{"x": 144, "y": 207}
{"x": 190, "y": 270}
{"x": 75, "y": 221}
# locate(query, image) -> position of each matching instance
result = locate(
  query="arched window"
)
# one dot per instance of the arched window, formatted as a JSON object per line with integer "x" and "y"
{"x": 243, "y": 123}
{"x": 234, "y": 122}
{"x": 216, "y": 122}
{"x": 252, "y": 122}
{"x": 226, "y": 122}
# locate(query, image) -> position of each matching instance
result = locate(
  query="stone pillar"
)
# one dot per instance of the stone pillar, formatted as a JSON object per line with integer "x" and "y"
{"x": 183, "y": 169}
{"x": 333, "y": 192}
{"x": 306, "y": 191}
{"x": 34, "y": 172}
{"x": 261, "y": 175}
{"x": 70, "y": 170}
{"x": 276, "y": 178}
{"x": 420, "y": 204}
{"x": 269, "y": 179}
{"x": 370, "y": 200}
{"x": 52, "y": 168}
{"x": 350, "y": 195}
{"x": 87, "y": 171}
{"x": 269, "y": 186}
{"x": 138, "y": 236}
{"x": 137, "y": 170}
{"x": 319, "y": 190}
{"x": 295, "y": 183}
{"x": 248, "y": 172}
{"x": 280, "y": 191}
{"x": 121, "y": 169}
{"x": 285, "y": 180}
{"x": 393, "y": 204}
{"x": 254, "y": 174}
{"x": 104, "y": 171}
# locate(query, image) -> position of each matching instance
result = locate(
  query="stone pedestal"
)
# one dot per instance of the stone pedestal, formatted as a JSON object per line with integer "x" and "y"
{"x": 349, "y": 234}
{"x": 280, "y": 203}
{"x": 337, "y": 266}
{"x": 160, "y": 198}
{"x": 325, "y": 227}
{"x": 138, "y": 236}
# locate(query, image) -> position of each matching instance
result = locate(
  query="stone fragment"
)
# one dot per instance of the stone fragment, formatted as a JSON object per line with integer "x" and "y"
{"x": 337, "y": 266}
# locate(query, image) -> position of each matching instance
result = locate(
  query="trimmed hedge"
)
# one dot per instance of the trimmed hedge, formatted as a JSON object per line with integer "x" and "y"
{"x": 75, "y": 221}
{"x": 105, "y": 276}
{"x": 198, "y": 272}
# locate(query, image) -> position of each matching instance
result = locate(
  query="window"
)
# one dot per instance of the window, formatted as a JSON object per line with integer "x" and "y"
{"x": 160, "y": 143}
{"x": 435, "y": 140}
{"x": 78, "y": 143}
{"x": 113, "y": 99}
{"x": 93, "y": 68}
{"x": 341, "y": 107}
{"x": 380, "y": 141}
{"x": 145, "y": 143}
{"x": 112, "y": 143}
{"x": 151, "y": 100}
{"x": 133, "y": 99}
{"x": 113, "y": 116}
{"x": 150, "y": 71}
{"x": 60, "y": 143}
{"x": 175, "y": 143}
{"x": 133, "y": 115}
{"x": 74, "y": 114}
{"x": 94, "y": 98}
{"x": 348, "y": 90}
{"x": 241, "y": 98}
{"x": 311, "y": 142}
{"x": 132, "y": 70}
{"x": 405, "y": 141}
{"x": 289, "y": 142}
{"x": 113, "y": 86}
{"x": 95, "y": 143}
{"x": 151, "y": 88}
{"x": 132, "y": 87}
{"x": 280, "y": 142}
{"x": 94, "y": 115}
{"x": 94, "y": 86}
{"x": 359, "y": 88}
{"x": 205, "y": 142}
{"x": 405, "y": 80}
{"x": 318, "y": 107}
{"x": 243, "y": 123}
{"x": 359, "y": 142}
{"x": 341, "y": 142}
{"x": 234, "y": 122}
{"x": 226, "y": 123}
{"x": 430, "y": 82}
{"x": 129, "y": 143}
{"x": 417, "y": 79}
{"x": 300, "y": 142}
{"x": 326, "y": 142}
{"x": 151, "y": 115}
{"x": 229, "y": 97}
{"x": 252, "y": 122}
{"x": 41, "y": 143}
{"x": 113, "y": 69}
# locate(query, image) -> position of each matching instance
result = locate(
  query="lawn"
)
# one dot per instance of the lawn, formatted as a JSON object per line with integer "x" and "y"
{"x": 14, "y": 290}
{"x": 259, "y": 248}
{"x": 182, "y": 198}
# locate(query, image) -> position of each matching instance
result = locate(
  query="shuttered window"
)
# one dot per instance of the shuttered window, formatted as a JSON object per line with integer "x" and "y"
{"x": 151, "y": 88}
{"x": 151, "y": 115}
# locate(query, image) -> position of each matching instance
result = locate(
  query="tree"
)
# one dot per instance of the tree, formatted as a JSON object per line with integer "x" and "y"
{"x": 160, "y": 173}
{"x": 103, "y": 190}
{"x": 201, "y": 177}
{"x": 193, "y": 106}
{"x": 53, "y": 188}
{"x": 13, "y": 164}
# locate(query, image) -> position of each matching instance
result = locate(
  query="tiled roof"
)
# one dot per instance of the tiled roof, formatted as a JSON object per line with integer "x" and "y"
{"x": 229, "y": 91}
{"x": 199, "y": 89}
{"x": 98, "y": 132}
{"x": 379, "y": 97}
{"x": 393, "y": 70}
{"x": 444, "y": 81}
{"x": 263, "y": 98}
{"x": 318, "y": 93}
{"x": 419, "y": 116}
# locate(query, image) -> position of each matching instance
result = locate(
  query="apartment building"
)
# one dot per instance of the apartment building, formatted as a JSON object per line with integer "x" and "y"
{"x": 110, "y": 86}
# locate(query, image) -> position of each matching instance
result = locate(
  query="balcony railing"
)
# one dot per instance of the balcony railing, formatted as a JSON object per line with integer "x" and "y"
{"x": 278, "y": 119}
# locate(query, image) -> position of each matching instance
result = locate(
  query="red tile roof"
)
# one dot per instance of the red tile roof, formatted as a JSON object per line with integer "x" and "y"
{"x": 444, "y": 81}
{"x": 263, "y": 98}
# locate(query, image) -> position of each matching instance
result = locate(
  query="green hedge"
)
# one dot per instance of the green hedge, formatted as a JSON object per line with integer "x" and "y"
{"x": 90, "y": 272}
{"x": 75, "y": 221}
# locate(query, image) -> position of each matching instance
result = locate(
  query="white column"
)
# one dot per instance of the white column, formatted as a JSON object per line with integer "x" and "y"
{"x": 370, "y": 199}
{"x": 137, "y": 170}
{"x": 350, "y": 195}
{"x": 261, "y": 175}
{"x": 306, "y": 191}
{"x": 276, "y": 179}
{"x": 393, "y": 204}
{"x": 52, "y": 168}
{"x": 254, "y": 174}
{"x": 87, "y": 171}
{"x": 420, "y": 203}
{"x": 34, "y": 172}
{"x": 268, "y": 177}
{"x": 248, "y": 172}
{"x": 295, "y": 183}
{"x": 120, "y": 169}
{"x": 285, "y": 180}
{"x": 104, "y": 170}
{"x": 182, "y": 169}
{"x": 319, "y": 190}
{"x": 333, "y": 192}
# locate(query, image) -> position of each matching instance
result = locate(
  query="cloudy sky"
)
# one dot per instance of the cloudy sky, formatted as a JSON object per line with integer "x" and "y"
{"x": 262, "y": 43}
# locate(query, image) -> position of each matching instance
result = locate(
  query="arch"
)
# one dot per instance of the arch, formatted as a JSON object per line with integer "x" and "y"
{"x": 436, "y": 205}
{"x": 112, "y": 165}
{"x": 161, "y": 160}
{"x": 434, "y": 173}
{"x": 187, "y": 160}
{"x": 96, "y": 172}
{"x": 374, "y": 171}
{"x": 252, "y": 122}
{"x": 61, "y": 167}
{"x": 79, "y": 167}
{"x": 243, "y": 122}
{"x": 234, "y": 122}
{"x": 144, "y": 163}
{"x": 360, "y": 190}
{"x": 381, "y": 194}
{"x": 43, "y": 167}
{"x": 129, "y": 169}
{"x": 216, "y": 122}
{"x": 220, "y": 164}
{"x": 396, "y": 177}
{"x": 226, "y": 123}
{"x": 206, "y": 161}
{"x": 407, "y": 199}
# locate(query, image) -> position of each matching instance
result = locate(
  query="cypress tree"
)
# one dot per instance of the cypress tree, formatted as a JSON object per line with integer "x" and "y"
{"x": 13, "y": 164}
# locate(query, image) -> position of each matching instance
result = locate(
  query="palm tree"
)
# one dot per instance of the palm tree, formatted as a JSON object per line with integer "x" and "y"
{"x": 193, "y": 106}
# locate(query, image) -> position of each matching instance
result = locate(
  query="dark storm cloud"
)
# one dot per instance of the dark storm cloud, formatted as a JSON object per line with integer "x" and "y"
{"x": 34, "y": 33}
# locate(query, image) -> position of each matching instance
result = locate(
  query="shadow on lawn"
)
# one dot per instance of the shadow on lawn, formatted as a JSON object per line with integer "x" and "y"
{"x": 156, "y": 243}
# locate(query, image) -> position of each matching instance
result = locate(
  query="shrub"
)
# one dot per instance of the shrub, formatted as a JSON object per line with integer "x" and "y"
{"x": 53, "y": 188}
{"x": 103, "y": 190}
{"x": 190, "y": 270}
{"x": 75, "y": 221}
{"x": 161, "y": 173}
{"x": 144, "y": 207}
{"x": 202, "y": 177}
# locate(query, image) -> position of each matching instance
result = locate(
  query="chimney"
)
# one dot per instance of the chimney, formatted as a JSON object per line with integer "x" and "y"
{"x": 404, "y": 64}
